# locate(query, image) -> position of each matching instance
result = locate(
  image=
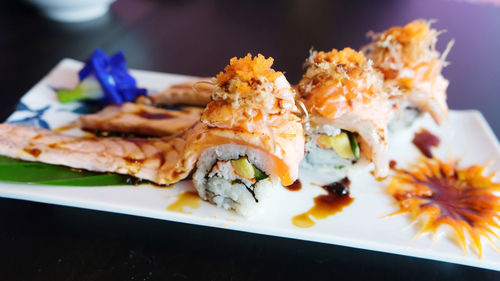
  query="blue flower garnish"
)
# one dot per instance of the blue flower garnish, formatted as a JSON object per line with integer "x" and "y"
{"x": 105, "y": 78}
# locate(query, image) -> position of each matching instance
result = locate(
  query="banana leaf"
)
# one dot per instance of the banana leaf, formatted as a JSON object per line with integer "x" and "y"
{"x": 13, "y": 170}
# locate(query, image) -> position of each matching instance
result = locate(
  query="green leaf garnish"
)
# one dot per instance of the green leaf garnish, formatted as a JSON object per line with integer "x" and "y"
{"x": 13, "y": 170}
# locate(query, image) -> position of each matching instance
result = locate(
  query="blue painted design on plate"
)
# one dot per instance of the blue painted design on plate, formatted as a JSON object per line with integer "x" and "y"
{"x": 34, "y": 120}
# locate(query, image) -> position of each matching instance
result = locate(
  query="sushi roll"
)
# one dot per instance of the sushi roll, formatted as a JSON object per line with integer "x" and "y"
{"x": 347, "y": 113}
{"x": 234, "y": 177}
{"x": 411, "y": 65}
{"x": 250, "y": 138}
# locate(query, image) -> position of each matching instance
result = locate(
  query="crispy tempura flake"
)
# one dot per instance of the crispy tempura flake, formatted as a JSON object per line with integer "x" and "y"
{"x": 440, "y": 193}
{"x": 415, "y": 31}
{"x": 406, "y": 48}
{"x": 409, "y": 44}
{"x": 340, "y": 66}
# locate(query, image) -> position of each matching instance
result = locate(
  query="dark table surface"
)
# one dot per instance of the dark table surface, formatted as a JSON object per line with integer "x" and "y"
{"x": 46, "y": 242}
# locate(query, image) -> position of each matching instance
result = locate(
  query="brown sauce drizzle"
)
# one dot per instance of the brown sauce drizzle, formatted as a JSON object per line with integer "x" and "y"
{"x": 134, "y": 165}
{"x": 66, "y": 128}
{"x": 133, "y": 161}
{"x": 137, "y": 141}
{"x": 54, "y": 145}
{"x": 464, "y": 199}
{"x": 187, "y": 199}
{"x": 131, "y": 180}
{"x": 118, "y": 134}
{"x": 35, "y": 152}
{"x": 326, "y": 205}
{"x": 134, "y": 181}
{"x": 161, "y": 157}
{"x": 424, "y": 140}
{"x": 154, "y": 116}
{"x": 295, "y": 186}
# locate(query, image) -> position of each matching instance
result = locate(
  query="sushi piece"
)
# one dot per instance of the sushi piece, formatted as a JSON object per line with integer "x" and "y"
{"x": 411, "y": 65}
{"x": 252, "y": 138}
{"x": 195, "y": 92}
{"x": 347, "y": 112}
{"x": 141, "y": 120}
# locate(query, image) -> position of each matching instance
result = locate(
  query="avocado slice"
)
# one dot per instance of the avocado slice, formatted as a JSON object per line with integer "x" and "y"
{"x": 340, "y": 143}
{"x": 243, "y": 167}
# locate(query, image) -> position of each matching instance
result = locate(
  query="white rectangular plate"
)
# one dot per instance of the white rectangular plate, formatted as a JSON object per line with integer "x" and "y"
{"x": 362, "y": 224}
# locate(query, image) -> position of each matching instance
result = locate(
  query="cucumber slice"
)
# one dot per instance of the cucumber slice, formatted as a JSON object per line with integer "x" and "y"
{"x": 354, "y": 145}
{"x": 259, "y": 175}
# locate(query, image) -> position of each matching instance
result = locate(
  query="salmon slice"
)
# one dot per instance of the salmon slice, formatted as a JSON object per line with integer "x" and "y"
{"x": 141, "y": 119}
{"x": 194, "y": 92}
{"x": 284, "y": 145}
{"x": 141, "y": 158}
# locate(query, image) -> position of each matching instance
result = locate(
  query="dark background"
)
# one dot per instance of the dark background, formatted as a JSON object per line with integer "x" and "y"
{"x": 45, "y": 242}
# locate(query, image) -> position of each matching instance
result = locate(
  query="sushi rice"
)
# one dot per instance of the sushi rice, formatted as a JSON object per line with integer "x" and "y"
{"x": 217, "y": 181}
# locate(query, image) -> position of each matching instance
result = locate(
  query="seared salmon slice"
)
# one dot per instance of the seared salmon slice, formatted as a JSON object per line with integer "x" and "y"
{"x": 141, "y": 158}
{"x": 141, "y": 119}
{"x": 411, "y": 65}
{"x": 194, "y": 92}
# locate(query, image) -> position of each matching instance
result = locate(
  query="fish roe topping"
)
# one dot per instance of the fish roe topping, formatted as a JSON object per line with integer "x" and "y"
{"x": 337, "y": 81}
{"x": 251, "y": 82}
{"x": 249, "y": 95}
{"x": 248, "y": 70}
{"x": 346, "y": 56}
